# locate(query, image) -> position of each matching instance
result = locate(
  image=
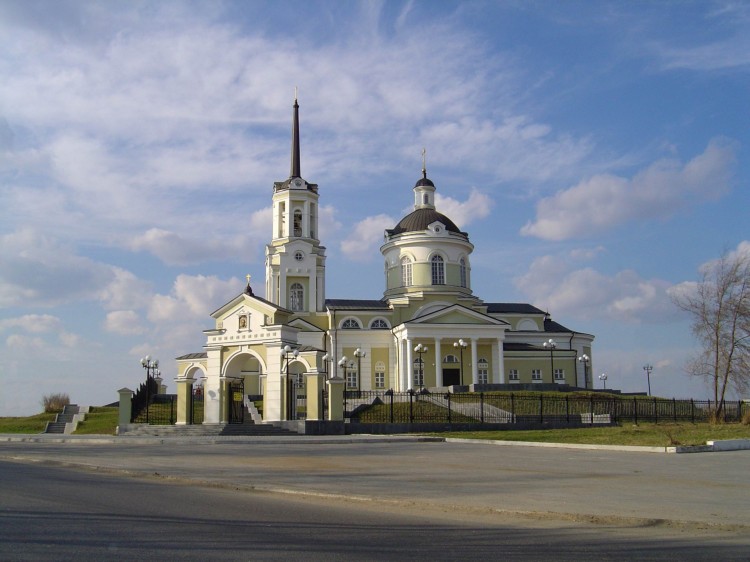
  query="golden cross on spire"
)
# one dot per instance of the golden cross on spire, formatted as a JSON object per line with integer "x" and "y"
{"x": 424, "y": 162}
{"x": 295, "y": 93}
{"x": 248, "y": 278}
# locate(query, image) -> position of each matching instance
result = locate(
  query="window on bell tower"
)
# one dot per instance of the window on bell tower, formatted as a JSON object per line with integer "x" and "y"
{"x": 297, "y": 223}
{"x": 296, "y": 297}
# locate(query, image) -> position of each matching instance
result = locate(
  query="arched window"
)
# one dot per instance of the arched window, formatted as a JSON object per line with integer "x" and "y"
{"x": 438, "y": 270}
{"x": 426, "y": 199}
{"x": 462, "y": 269}
{"x": 450, "y": 359}
{"x": 405, "y": 271}
{"x": 418, "y": 373}
{"x": 379, "y": 324}
{"x": 296, "y": 297}
{"x": 483, "y": 369}
{"x": 351, "y": 324}
{"x": 297, "y": 223}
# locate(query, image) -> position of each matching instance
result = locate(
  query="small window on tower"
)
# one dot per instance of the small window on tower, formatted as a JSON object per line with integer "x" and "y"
{"x": 426, "y": 199}
{"x": 299, "y": 256}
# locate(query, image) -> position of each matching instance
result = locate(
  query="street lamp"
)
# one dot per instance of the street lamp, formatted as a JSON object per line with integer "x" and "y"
{"x": 359, "y": 354}
{"x": 326, "y": 358}
{"x": 603, "y": 378}
{"x": 286, "y": 351}
{"x": 585, "y": 360}
{"x": 648, "y": 368}
{"x": 342, "y": 364}
{"x": 551, "y": 345}
{"x": 461, "y": 345}
{"x": 420, "y": 349}
{"x": 152, "y": 370}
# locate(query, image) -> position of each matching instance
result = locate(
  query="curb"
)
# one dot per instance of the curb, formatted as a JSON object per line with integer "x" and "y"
{"x": 709, "y": 447}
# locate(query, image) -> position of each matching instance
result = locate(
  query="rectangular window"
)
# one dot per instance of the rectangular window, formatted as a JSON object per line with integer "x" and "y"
{"x": 513, "y": 375}
{"x": 536, "y": 375}
{"x": 559, "y": 375}
{"x": 483, "y": 375}
{"x": 351, "y": 379}
{"x": 379, "y": 380}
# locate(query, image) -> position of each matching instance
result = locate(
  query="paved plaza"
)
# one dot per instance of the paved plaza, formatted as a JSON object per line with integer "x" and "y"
{"x": 709, "y": 491}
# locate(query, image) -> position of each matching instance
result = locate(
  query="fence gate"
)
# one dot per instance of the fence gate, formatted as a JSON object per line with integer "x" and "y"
{"x": 196, "y": 405}
{"x": 236, "y": 399}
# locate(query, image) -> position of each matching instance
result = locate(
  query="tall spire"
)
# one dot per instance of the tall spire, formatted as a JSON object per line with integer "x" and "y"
{"x": 295, "y": 169}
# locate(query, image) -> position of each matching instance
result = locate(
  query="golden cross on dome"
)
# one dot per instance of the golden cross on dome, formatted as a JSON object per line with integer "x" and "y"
{"x": 248, "y": 278}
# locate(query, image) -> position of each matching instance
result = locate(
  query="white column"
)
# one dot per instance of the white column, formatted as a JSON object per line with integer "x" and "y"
{"x": 438, "y": 363}
{"x": 409, "y": 365}
{"x": 474, "y": 370}
{"x": 283, "y": 297}
{"x": 305, "y": 219}
{"x": 498, "y": 362}
{"x": 212, "y": 398}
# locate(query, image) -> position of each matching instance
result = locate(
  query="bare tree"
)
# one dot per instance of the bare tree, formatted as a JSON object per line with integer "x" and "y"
{"x": 719, "y": 305}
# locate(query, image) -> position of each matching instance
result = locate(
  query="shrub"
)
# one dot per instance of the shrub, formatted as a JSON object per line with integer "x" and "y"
{"x": 55, "y": 402}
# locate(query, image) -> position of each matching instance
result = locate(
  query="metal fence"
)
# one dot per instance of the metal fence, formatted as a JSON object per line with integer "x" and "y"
{"x": 424, "y": 407}
{"x": 161, "y": 411}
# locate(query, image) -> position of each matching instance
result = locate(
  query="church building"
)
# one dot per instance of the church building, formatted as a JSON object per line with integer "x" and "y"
{"x": 428, "y": 330}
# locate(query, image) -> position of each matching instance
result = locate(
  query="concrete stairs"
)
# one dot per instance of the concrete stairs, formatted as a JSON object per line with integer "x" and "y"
{"x": 66, "y": 422}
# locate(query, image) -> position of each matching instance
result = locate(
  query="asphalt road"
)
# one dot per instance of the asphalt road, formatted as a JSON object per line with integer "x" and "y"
{"x": 416, "y": 500}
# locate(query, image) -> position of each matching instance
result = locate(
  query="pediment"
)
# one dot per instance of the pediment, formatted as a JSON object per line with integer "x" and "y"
{"x": 457, "y": 314}
{"x": 304, "y": 325}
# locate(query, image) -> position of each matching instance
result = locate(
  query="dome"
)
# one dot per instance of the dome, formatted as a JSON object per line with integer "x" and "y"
{"x": 424, "y": 182}
{"x": 420, "y": 219}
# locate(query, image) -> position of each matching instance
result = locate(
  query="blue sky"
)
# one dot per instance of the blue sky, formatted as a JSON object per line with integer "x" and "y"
{"x": 596, "y": 152}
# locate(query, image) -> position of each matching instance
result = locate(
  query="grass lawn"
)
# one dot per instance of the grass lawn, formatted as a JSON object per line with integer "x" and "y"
{"x": 648, "y": 434}
{"x": 29, "y": 424}
{"x": 99, "y": 420}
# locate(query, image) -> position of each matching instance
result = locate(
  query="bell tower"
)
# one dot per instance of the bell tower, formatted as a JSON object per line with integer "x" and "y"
{"x": 295, "y": 260}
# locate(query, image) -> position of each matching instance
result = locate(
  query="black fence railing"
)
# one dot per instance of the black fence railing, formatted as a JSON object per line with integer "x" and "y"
{"x": 142, "y": 398}
{"x": 161, "y": 411}
{"x": 424, "y": 407}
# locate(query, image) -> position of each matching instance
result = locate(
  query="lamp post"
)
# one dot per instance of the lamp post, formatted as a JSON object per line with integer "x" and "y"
{"x": 152, "y": 370}
{"x": 461, "y": 345}
{"x": 342, "y": 364}
{"x": 648, "y": 368}
{"x": 359, "y": 354}
{"x": 603, "y": 378}
{"x": 286, "y": 351}
{"x": 551, "y": 344}
{"x": 585, "y": 360}
{"x": 326, "y": 358}
{"x": 420, "y": 349}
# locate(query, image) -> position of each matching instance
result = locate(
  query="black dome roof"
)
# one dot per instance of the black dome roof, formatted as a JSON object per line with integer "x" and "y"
{"x": 420, "y": 219}
{"x": 424, "y": 182}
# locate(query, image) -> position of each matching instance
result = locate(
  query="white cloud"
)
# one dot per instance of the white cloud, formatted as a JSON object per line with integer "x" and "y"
{"x": 193, "y": 297}
{"x": 34, "y": 323}
{"x": 37, "y": 269}
{"x": 552, "y": 284}
{"x": 362, "y": 243}
{"x": 476, "y": 207}
{"x": 124, "y": 322}
{"x": 124, "y": 291}
{"x": 174, "y": 249}
{"x": 606, "y": 201}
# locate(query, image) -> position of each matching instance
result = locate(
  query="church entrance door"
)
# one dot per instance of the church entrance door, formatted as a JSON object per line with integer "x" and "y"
{"x": 451, "y": 377}
{"x": 236, "y": 401}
